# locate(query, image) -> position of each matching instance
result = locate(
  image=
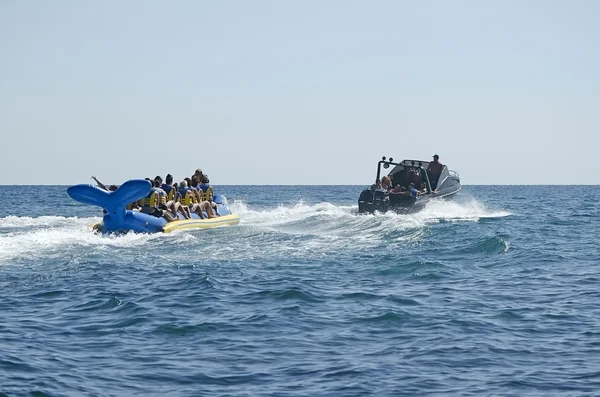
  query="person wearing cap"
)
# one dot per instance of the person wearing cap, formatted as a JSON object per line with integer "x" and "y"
{"x": 434, "y": 170}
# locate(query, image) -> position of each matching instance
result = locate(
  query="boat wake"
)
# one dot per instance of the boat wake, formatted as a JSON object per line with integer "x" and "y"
{"x": 327, "y": 216}
{"x": 284, "y": 230}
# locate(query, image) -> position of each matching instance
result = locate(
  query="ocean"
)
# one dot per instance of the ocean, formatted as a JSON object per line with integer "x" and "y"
{"x": 495, "y": 292}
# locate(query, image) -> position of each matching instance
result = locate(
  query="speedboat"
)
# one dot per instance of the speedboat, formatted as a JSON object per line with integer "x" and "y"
{"x": 399, "y": 198}
{"x": 117, "y": 218}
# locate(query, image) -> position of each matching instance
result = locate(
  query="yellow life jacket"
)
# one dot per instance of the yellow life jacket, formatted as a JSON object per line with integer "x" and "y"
{"x": 208, "y": 194}
{"x": 170, "y": 190}
{"x": 150, "y": 200}
{"x": 194, "y": 193}
{"x": 162, "y": 196}
{"x": 187, "y": 198}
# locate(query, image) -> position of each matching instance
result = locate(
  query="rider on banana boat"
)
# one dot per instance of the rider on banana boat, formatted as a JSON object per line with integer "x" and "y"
{"x": 164, "y": 204}
{"x": 110, "y": 188}
{"x": 204, "y": 185}
{"x": 184, "y": 209}
{"x": 202, "y": 200}
{"x": 209, "y": 193}
{"x": 101, "y": 185}
{"x": 151, "y": 205}
{"x": 167, "y": 196}
{"x": 168, "y": 187}
{"x": 189, "y": 197}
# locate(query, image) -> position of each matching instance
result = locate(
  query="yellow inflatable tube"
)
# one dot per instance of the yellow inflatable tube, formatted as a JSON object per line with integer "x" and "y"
{"x": 224, "y": 220}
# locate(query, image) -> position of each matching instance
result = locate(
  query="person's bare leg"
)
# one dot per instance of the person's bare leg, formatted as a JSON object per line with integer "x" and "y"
{"x": 198, "y": 210}
{"x": 208, "y": 208}
{"x": 173, "y": 208}
{"x": 168, "y": 216}
{"x": 181, "y": 209}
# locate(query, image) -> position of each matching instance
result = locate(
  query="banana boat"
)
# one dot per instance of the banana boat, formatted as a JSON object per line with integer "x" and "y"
{"x": 118, "y": 219}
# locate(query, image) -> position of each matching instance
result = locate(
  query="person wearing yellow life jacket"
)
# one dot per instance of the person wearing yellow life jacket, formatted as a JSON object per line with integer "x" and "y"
{"x": 187, "y": 198}
{"x": 151, "y": 205}
{"x": 209, "y": 193}
{"x": 181, "y": 208}
{"x": 205, "y": 198}
{"x": 197, "y": 198}
{"x": 162, "y": 195}
{"x": 197, "y": 191}
{"x": 166, "y": 196}
{"x": 168, "y": 187}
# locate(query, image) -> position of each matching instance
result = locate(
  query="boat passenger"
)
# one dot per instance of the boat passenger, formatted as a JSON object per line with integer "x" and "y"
{"x": 186, "y": 197}
{"x": 135, "y": 206}
{"x": 397, "y": 189}
{"x": 386, "y": 183}
{"x": 164, "y": 204}
{"x": 131, "y": 206}
{"x": 102, "y": 186}
{"x": 150, "y": 205}
{"x": 189, "y": 197}
{"x": 169, "y": 198}
{"x": 198, "y": 174}
{"x": 376, "y": 185}
{"x": 168, "y": 187}
{"x": 423, "y": 188}
{"x": 206, "y": 204}
{"x": 205, "y": 186}
{"x": 434, "y": 170}
{"x": 198, "y": 193}
{"x": 177, "y": 202}
{"x": 412, "y": 191}
{"x": 209, "y": 193}
{"x": 414, "y": 176}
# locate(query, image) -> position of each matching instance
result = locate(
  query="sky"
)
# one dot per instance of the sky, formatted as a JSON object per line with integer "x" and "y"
{"x": 298, "y": 92}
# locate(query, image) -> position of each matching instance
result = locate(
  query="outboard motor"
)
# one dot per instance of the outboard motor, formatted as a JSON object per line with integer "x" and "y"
{"x": 380, "y": 201}
{"x": 365, "y": 201}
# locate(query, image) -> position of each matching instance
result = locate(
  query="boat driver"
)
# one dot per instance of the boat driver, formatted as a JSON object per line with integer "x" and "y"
{"x": 434, "y": 171}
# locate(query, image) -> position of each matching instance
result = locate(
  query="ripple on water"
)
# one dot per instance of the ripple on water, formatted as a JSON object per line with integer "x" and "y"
{"x": 479, "y": 296}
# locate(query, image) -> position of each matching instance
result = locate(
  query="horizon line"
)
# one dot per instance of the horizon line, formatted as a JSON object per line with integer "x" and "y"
{"x": 301, "y": 184}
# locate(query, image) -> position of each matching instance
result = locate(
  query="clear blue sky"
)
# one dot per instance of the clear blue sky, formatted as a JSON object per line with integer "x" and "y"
{"x": 298, "y": 92}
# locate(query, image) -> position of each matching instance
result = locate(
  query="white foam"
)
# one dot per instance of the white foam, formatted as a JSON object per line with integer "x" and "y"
{"x": 39, "y": 237}
{"x": 330, "y": 217}
{"x": 305, "y": 229}
{"x": 454, "y": 210}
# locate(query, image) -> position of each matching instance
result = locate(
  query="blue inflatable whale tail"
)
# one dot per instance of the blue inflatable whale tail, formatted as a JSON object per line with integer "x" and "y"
{"x": 114, "y": 203}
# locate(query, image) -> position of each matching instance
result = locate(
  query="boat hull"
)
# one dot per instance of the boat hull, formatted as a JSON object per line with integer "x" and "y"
{"x": 380, "y": 201}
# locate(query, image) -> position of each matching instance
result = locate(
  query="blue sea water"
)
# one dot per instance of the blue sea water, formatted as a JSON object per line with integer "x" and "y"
{"x": 493, "y": 293}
